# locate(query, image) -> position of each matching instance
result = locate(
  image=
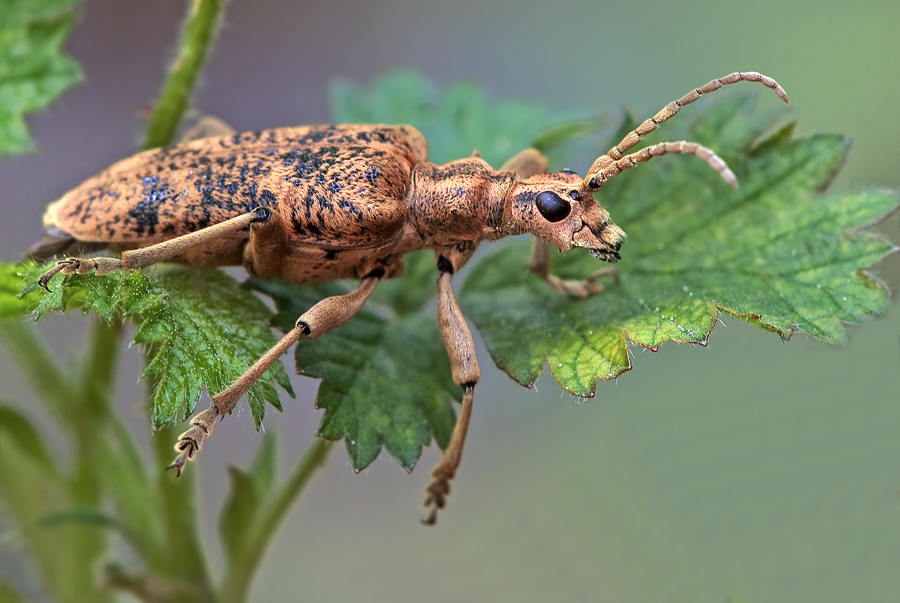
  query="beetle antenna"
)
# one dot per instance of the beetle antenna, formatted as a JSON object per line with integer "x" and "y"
{"x": 615, "y": 154}
{"x": 597, "y": 178}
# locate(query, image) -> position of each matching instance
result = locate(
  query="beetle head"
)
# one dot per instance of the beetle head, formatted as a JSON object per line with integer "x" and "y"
{"x": 557, "y": 209}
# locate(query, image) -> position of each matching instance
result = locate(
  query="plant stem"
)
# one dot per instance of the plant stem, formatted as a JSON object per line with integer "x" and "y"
{"x": 200, "y": 28}
{"x": 178, "y": 499}
{"x": 91, "y": 401}
{"x": 240, "y": 572}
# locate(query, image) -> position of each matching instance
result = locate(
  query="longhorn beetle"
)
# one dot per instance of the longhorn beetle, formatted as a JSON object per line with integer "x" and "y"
{"x": 319, "y": 203}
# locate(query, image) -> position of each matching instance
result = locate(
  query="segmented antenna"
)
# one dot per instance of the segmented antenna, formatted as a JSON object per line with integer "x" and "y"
{"x": 681, "y": 147}
{"x": 613, "y": 162}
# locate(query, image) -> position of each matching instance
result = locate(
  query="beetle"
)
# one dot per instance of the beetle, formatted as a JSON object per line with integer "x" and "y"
{"x": 318, "y": 203}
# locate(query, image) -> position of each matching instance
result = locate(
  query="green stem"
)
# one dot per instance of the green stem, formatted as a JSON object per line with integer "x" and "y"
{"x": 107, "y": 452}
{"x": 97, "y": 374}
{"x": 186, "y": 561}
{"x": 91, "y": 403}
{"x": 95, "y": 383}
{"x": 240, "y": 572}
{"x": 200, "y": 28}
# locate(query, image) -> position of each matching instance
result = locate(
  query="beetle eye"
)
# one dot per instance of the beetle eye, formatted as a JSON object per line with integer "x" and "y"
{"x": 575, "y": 195}
{"x": 553, "y": 207}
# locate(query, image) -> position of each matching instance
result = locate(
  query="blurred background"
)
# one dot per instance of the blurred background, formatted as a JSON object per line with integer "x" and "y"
{"x": 750, "y": 470}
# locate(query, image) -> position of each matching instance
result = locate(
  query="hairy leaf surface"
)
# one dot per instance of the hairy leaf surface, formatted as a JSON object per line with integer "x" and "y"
{"x": 203, "y": 329}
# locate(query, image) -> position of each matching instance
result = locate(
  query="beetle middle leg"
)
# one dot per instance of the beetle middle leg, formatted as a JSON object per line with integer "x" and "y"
{"x": 326, "y": 315}
{"x": 464, "y": 365}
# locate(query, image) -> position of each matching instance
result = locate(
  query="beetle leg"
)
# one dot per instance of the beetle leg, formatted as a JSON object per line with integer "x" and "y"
{"x": 207, "y": 126}
{"x": 329, "y": 313}
{"x": 526, "y": 163}
{"x": 146, "y": 256}
{"x": 461, "y": 349}
{"x": 540, "y": 265}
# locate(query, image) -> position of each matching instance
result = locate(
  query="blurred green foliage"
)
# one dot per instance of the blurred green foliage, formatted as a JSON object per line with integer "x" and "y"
{"x": 33, "y": 69}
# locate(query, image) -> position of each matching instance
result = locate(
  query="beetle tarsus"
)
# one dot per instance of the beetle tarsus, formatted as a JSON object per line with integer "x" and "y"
{"x": 190, "y": 442}
{"x": 61, "y": 266}
{"x": 436, "y": 494}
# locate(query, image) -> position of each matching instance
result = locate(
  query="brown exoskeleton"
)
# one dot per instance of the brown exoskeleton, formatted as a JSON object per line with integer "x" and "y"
{"x": 319, "y": 203}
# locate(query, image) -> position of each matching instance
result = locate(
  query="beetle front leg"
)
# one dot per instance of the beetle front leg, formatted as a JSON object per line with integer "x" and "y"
{"x": 161, "y": 252}
{"x": 540, "y": 265}
{"x": 461, "y": 349}
{"x": 326, "y": 315}
{"x": 526, "y": 163}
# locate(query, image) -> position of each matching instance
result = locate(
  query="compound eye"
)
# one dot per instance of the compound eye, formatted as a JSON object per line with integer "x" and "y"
{"x": 553, "y": 207}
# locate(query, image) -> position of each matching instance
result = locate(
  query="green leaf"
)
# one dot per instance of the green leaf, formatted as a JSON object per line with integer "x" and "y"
{"x": 385, "y": 382}
{"x": 29, "y": 490}
{"x": 33, "y": 69}
{"x": 249, "y": 491}
{"x": 17, "y": 430}
{"x": 458, "y": 119}
{"x": 202, "y": 329}
{"x": 84, "y": 516}
{"x": 11, "y": 302}
{"x": 774, "y": 252}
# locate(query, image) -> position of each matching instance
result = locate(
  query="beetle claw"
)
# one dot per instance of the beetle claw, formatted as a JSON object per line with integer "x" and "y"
{"x": 61, "y": 265}
{"x": 191, "y": 441}
{"x": 44, "y": 282}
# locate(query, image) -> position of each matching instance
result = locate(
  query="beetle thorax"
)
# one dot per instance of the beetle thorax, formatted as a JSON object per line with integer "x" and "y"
{"x": 460, "y": 201}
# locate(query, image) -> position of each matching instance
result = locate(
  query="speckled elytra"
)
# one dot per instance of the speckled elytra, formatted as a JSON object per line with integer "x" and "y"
{"x": 319, "y": 203}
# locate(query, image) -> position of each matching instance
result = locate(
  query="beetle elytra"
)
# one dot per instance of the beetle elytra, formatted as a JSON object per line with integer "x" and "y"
{"x": 319, "y": 203}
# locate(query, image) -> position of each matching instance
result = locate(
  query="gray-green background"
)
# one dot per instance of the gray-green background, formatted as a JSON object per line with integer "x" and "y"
{"x": 751, "y": 470}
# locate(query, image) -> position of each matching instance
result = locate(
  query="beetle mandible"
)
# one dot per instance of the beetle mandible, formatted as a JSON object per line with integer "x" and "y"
{"x": 319, "y": 203}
